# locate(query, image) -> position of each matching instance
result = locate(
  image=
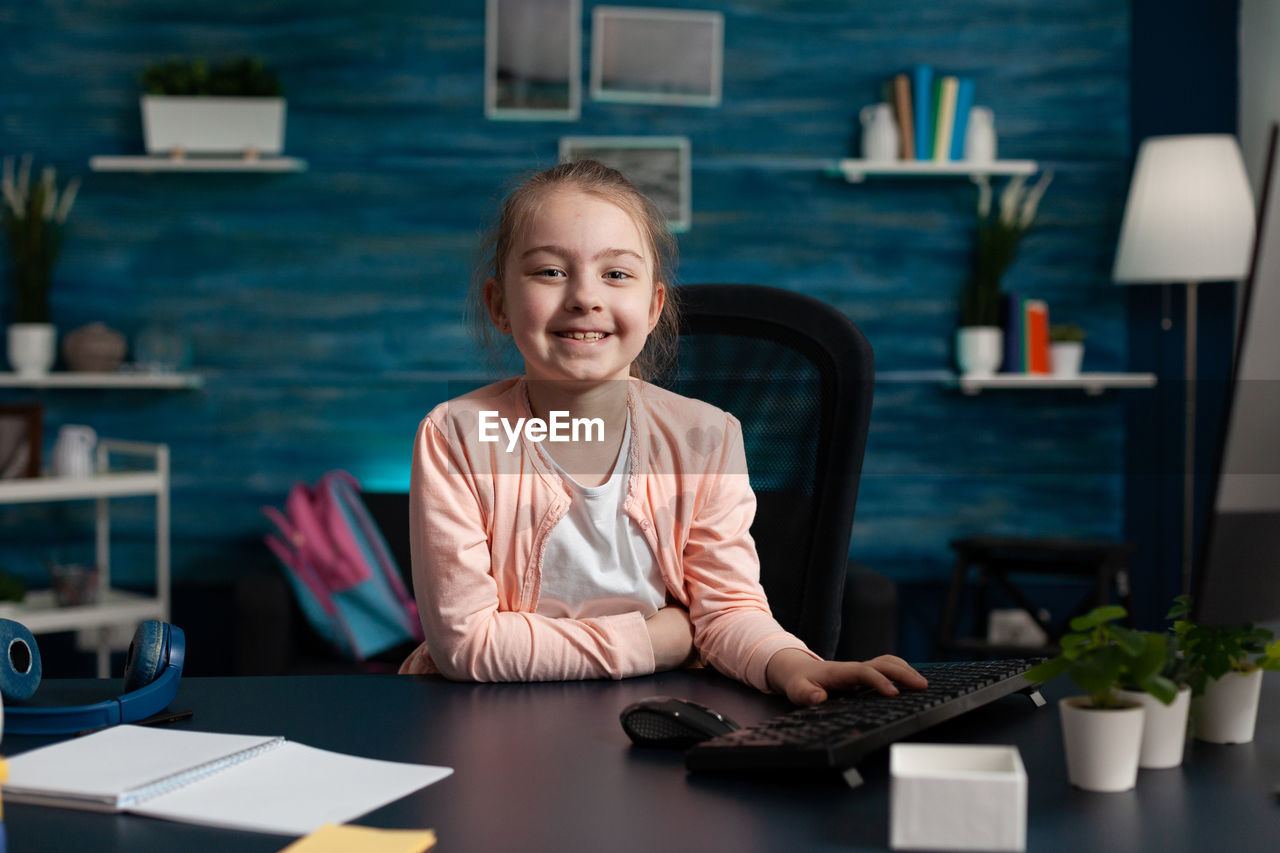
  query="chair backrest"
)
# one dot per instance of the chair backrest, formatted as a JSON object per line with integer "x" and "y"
{"x": 799, "y": 375}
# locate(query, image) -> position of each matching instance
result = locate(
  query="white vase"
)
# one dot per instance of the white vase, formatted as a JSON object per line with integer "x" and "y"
{"x": 212, "y": 125}
{"x": 979, "y": 349}
{"x": 880, "y": 141}
{"x": 980, "y": 136}
{"x": 32, "y": 348}
{"x": 1065, "y": 357}
{"x": 1102, "y": 745}
{"x": 1164, "y": 730}
{"x": 1228, "y": 710}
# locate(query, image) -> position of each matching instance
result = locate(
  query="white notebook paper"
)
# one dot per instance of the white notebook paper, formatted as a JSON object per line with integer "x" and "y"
{"x": 264, "y": 784}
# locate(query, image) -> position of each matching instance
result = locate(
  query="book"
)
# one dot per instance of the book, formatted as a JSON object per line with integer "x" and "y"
{"x": 251, "y": 782}
{"x": 922, "y": 103}
{"x": 1035, "y": 322}
{"x": 902, "y": 109}
{"x": 946, "y": 115}
{"x": 1011, "y": 322}
{"x": 964, "y": 102}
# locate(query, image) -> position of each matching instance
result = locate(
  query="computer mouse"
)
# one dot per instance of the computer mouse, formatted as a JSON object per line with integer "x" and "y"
{"x": 666, "y": 721}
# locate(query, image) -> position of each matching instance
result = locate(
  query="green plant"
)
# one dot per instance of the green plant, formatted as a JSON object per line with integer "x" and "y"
{"x": 998, "y": 234}
{"x": 1062, "y": 333}
{"x": 1101, "y": 657}
{"x": 242, "y": 77}
{"x": 11, "y": 588}
{"x": 34, "y": 215}
{"x": 1211, "y": 652}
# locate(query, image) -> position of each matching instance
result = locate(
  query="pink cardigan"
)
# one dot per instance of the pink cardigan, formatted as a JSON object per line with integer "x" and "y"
{"x": 480, "y": 517}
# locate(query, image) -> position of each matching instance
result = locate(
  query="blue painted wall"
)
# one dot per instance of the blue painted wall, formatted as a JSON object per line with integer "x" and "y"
{"x": 325, "y": 308}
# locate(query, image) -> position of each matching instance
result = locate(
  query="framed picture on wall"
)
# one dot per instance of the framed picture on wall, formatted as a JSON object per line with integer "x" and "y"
{"x": 532, "y": 59}
{"x": 656, "y": 56}
{"x": 20, "y": 440}
{"x": 657, "y": 165}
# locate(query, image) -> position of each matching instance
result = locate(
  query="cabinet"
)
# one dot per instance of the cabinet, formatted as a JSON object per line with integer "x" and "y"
{"x": 113, "y": 608}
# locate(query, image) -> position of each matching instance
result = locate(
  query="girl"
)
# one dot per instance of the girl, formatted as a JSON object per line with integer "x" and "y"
{"x": 624, "y": 549}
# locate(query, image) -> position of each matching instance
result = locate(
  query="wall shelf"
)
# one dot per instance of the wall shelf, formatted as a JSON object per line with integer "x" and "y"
{"x": 150, "y": 163}
{"x": 118, "y": 380}
{"x": 1092, "y": 384}
{"x": 854, "y": 171}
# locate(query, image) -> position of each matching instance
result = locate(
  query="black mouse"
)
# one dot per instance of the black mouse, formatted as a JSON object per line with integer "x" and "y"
{"x": 673, "y": 723}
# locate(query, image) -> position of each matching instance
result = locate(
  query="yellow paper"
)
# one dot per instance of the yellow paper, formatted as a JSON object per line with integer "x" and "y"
{"x": 342, "y": 839}
{"x": 4, "y": 774}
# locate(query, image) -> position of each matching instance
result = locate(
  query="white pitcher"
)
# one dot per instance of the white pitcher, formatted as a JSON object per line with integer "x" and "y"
{"x": 980, "y": 135}
{"x": 73, "y": 452}
{"x": 879, "y": 133}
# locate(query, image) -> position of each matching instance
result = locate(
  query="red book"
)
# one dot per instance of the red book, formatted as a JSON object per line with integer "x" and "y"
{"x": 1035, "y": 326}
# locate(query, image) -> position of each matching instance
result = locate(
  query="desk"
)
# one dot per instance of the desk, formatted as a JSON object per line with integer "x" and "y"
{"x": 547, "y": 767}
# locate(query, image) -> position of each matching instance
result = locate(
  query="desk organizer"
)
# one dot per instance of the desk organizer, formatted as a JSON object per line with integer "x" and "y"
{"x": 955, "y": 797}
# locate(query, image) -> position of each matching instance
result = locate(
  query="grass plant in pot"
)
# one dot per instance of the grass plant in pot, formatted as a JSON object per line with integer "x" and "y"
{"x": 234, "y": 107}
{"x": 34, "y": 214}
{"x": 980, "y": 340}
{"x": 1101, "y": 731}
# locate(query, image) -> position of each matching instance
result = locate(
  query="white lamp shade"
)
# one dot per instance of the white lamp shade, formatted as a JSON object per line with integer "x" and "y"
{"x": 1190, "y": 213}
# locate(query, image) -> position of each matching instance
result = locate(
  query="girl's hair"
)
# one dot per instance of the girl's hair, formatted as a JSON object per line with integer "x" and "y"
{"x": 594, "y": 178}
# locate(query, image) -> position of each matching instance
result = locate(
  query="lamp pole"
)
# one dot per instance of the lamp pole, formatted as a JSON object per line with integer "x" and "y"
{"x": 1189, "y": 442}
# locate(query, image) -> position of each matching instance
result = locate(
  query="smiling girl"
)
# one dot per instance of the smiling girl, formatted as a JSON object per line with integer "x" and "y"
{"x": 624, "y": 552}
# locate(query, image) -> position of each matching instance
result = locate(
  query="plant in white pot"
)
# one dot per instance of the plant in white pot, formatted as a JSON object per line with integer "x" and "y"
{"x": 1164, "y": 732}
{"x": 980, "y": 339}
{"x": 1066, "y": 349}
{"x": 1226, "y": 665}
{"x": 234, "y": 107}
{"x": 1101, "y": 731}
{"x": 34, "y": 213}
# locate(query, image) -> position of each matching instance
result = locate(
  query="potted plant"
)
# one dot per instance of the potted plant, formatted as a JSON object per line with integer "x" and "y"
{"x": 1164, "y": 732}
{"x": 234, "y": 107}
{"x": 980, "y": 340}
{"x": 1102, "y": 732}
{"x": 34, "y": 215}
{"x": 1066, "y": 348}
{"x": 1225, "y": 665}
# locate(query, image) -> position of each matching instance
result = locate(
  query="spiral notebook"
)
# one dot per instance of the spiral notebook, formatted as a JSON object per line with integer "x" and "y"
{"x": 262, "y": 784}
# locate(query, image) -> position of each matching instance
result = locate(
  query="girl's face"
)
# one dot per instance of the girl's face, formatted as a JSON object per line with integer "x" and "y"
{"x": 577, "y": 295}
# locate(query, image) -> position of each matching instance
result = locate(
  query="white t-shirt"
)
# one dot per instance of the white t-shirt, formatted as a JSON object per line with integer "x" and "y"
{"x": 597, "y": 562}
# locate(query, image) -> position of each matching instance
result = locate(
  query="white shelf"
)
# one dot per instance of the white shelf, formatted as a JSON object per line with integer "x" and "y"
{"x": 1092, "y": 384}
{"x": 40, "y": 612}
{"x": 151, "y": 163}
{"x": 73, "y": 379}
{"x": 48, "y": 489}
{"x": 854, "y": 171}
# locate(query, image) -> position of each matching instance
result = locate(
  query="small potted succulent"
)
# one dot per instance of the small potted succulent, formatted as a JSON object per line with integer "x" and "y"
{"x": 1066, "y": 349}
{"x": 191, "y": 107}
{"x": 1101, "y": 731}
{"x": 34, "y": 213}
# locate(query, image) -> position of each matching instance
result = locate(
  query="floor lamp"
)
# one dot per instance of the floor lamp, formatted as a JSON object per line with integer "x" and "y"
{"x": 1189, "y": 219}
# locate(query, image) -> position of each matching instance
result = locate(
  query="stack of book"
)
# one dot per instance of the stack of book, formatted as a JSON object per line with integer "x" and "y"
{"x": 1026, "y": 335}
{"x": 932, "y": 112}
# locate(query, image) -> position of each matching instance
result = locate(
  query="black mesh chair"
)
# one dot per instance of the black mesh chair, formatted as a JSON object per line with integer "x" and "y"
{"x": 799, "y": 375}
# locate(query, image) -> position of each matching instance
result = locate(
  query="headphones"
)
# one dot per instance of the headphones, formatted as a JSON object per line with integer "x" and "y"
{"x": 151, "y": 672}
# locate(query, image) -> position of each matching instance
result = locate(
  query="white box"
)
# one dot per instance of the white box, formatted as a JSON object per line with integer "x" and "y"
{"x": 208, "y": 124}
{"x": 956, "y": 797}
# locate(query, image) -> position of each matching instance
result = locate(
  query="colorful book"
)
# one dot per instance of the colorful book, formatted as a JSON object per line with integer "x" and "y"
{"x": 902, "y": 109}
{"x": 1035, "y": 336}
{"x": 1011, "y": 322}
{"x": 964, "y": 102}
{"x": 946, "y": 115}
{"x": 922, "y": 106}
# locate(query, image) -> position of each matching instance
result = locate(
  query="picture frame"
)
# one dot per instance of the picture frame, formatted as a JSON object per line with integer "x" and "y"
{"x": 533, "y": 60}
{"x": 21, "y": 437}
{"x": 657, "y": 56}
{"x": 659, "y": 166}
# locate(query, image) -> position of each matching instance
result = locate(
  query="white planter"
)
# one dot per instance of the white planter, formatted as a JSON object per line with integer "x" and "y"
{"x": 1228, "y": 710}
{"x": 1102, "y": 746}
{"x": 32, "y": 348}
{"x": 212, "y": 125}
{"x": 979, "y": 349}
{"x": 1164, "y": 730}
{"x": 957, "y": 797}
{"x": 1066, "y": 357}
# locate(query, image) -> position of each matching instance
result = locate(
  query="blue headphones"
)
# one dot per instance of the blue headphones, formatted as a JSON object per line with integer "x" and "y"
{"x": 151, "y": 673}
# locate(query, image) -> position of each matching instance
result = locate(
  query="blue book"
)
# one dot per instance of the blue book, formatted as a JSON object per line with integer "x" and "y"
{"x": 964, "y": 100}
{"x": 922, "y": 102}
{"x": 1011, "y": 320}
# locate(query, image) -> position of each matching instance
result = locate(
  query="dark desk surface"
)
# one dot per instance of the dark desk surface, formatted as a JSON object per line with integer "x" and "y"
{"x": 547, "y": 767}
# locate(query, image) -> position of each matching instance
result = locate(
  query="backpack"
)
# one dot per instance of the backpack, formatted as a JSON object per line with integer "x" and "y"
{"x": 344, "y": 578}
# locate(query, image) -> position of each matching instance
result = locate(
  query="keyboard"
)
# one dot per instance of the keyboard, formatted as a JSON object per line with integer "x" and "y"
{"x": 840, "y": 732}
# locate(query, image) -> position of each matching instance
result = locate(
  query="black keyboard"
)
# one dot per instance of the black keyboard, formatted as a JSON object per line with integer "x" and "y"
{"x": 840, "y": 732}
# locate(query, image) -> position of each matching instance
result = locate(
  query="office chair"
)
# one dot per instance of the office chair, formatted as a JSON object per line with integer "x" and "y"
{"x": 799, "y": 376}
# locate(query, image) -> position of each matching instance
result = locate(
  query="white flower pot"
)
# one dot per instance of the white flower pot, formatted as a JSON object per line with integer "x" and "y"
{"x": 212, "y": 125}
{"x": 1102, "y": 745}
{"x": 32, "y": 348}
{"x": 979, "y": 349}
{"x": 1164, "y": 729}
{"x": 1228, "y": 710}
{"x": 1065, "y": 358}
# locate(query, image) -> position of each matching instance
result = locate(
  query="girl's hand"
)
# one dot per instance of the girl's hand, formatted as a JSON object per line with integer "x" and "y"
{"x": 805, "y": 681}
{"x": 671, "y": 633}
